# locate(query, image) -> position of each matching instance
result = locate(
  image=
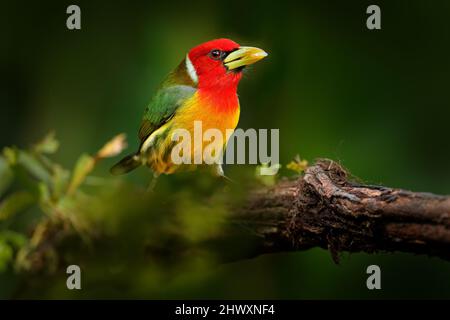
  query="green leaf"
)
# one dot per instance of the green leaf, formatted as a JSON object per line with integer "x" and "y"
{"x": 15, "y": 203}
{"x": 84, "y": 166}
{"x": 34, "y": 166}
{"x": 6, "y": 176}
{"x": 10, "y": 154}
{"x": 267, "y": 179}
{"x": 47, "y": 145}
{"x": 44, "y": 193}
{"x": 298, "y": 165}
{"x": 16, "y": 239}
{"x": 60, "y": 179}
{"x": 6, "y": 255}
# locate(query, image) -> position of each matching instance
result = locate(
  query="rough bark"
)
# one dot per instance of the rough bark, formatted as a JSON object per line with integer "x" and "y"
{"x": 325, "y": 208}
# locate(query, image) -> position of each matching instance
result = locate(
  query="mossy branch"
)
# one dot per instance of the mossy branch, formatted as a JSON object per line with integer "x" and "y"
{"x": 324, "y": 208}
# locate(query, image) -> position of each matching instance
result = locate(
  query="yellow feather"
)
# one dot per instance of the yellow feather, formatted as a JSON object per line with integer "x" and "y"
{"x": 156, "y": 153}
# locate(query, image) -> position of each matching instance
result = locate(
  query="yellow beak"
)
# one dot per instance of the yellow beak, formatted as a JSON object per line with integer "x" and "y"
{"x": 244, "y": 56}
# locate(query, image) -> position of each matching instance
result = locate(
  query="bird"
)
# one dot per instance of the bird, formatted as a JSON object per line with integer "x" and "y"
{"x": 203, "y": 87}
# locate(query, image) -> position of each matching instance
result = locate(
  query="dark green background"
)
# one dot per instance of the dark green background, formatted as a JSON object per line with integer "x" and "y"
{"x": 377, "y": 101}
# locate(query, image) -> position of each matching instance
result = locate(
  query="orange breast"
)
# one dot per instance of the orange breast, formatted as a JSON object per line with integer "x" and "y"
{"x": 213, "y": 114}
{"x": 198, "y": 114}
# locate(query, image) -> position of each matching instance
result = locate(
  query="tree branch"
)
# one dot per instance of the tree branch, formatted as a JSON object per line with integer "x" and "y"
{"x": 324, "y": 208}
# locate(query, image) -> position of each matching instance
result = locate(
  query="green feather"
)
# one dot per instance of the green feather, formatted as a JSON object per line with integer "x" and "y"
{"x": 163, "y": 107}
{"x": 176, "y": 88}
{"x": 173, "y": 92}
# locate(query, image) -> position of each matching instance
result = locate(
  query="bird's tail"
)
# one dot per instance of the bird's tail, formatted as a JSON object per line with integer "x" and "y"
{"x": 127, "y": 164}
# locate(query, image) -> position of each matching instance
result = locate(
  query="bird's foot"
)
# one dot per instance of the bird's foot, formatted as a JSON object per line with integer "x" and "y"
{"x": 152, "y": 184}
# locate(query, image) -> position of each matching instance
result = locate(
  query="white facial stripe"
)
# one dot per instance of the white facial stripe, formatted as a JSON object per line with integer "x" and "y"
{"x": 191, "y": 70}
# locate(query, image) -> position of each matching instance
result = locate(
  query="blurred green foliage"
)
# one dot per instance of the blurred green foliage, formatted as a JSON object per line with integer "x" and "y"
{"x": 51, "y": 217}
{"x": 374, "y": 100}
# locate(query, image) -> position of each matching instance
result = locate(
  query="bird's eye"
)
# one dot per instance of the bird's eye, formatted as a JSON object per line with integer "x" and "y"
{"x": 215, "y": 54}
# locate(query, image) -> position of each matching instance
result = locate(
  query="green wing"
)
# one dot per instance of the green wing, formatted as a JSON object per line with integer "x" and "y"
{"x": 163, "y": 107}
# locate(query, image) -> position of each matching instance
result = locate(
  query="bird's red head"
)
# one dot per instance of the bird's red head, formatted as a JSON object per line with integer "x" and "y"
{"x": 218, "y": 63}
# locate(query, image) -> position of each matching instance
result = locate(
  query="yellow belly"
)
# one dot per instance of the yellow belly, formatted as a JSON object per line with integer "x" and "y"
{"x": 194, "y": 114}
